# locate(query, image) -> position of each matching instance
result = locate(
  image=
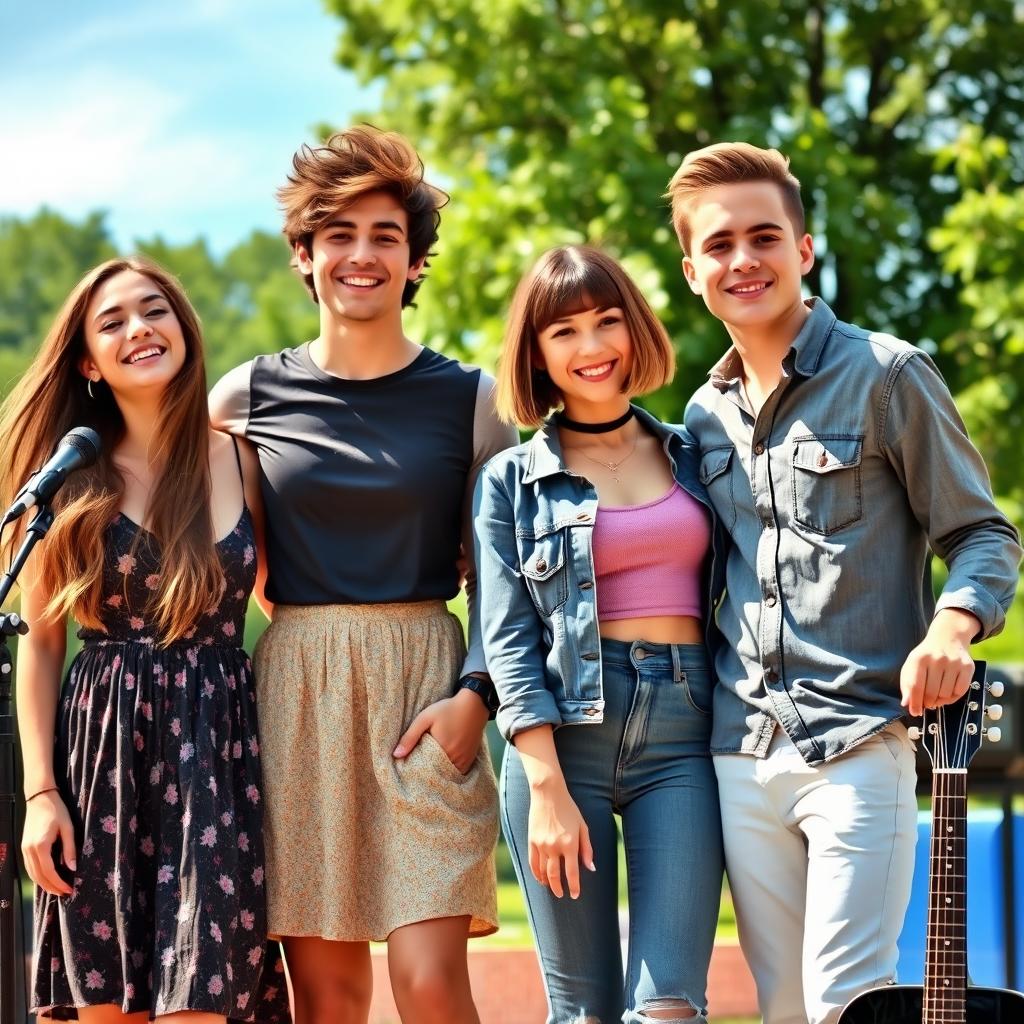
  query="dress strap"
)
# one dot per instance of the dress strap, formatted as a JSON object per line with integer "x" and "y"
{"x": 241, "y": 475}
{"x": 238, "y": 462}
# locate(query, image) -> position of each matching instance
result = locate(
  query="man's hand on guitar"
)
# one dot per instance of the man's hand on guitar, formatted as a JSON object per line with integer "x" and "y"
{"x": 938, "y": 670}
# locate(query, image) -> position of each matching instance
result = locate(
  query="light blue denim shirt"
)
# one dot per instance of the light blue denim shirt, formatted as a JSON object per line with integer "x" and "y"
{"x": 833, "y": 494}
{"x": 533, "y": 523}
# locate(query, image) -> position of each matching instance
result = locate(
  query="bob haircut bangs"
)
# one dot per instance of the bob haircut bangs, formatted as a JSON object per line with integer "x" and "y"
{"x": 565, "y": 281}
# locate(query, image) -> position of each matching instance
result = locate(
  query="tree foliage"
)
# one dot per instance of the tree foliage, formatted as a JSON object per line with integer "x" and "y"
{"x": 250, "y": 301}
{"x": 562, "y": 120}
{"x": 40, "y": 261}
{"x": 981, "y": 242}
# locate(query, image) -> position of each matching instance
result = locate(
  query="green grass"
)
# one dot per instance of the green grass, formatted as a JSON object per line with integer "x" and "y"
{"x": 514, "y": 928}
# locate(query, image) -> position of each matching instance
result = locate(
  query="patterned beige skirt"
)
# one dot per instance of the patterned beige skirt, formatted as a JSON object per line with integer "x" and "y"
{"x": 358, "y": 843}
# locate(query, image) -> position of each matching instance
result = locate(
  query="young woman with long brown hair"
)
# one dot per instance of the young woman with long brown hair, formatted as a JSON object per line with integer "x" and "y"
{"x": 143, "y": 827}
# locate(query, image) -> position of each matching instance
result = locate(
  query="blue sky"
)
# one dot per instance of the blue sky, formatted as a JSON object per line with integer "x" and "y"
{"x": 179, "y": 118}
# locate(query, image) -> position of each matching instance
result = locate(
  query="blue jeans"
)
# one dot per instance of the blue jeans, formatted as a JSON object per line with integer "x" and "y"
{"x": 648, "y": 762}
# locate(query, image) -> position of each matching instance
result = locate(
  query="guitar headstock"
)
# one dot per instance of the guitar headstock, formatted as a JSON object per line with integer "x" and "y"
{"x": 952, "y": 734}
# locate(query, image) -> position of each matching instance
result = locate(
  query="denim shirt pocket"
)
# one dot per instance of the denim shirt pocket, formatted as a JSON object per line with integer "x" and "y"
{"x": 543, "y": 565}
{"x": 827, "y": 482}
{"x": 717, "y": 480}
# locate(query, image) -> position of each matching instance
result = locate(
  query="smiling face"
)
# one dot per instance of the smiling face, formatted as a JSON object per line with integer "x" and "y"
{"x": 360, "y": 260}
{"x": 133, "y": 339}
{"x": 746, "y": 260}
{"x": 588, "y": 355}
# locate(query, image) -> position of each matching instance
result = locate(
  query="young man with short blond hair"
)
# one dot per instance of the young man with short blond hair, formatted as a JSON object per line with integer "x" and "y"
{"x": 837, "y": 461}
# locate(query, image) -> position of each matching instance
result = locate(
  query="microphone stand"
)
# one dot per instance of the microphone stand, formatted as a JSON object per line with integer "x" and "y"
{"x": 10, "y": 890}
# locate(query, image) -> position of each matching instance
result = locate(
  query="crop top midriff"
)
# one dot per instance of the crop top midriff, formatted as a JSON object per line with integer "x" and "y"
{"x": 648, "y": 558}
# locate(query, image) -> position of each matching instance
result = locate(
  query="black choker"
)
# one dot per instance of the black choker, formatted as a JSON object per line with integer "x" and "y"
{"x": 594, "y": 428}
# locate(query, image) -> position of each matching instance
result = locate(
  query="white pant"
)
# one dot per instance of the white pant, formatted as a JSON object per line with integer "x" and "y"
{"x": 820, "y": 861}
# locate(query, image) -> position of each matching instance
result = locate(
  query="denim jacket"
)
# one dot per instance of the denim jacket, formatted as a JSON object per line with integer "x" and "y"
{"x": 533, "y": 523}
{"x": 834, "y": 494}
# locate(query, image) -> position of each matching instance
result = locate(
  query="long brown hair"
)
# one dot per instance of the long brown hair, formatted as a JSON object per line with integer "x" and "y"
{"x": 50, "y": 399}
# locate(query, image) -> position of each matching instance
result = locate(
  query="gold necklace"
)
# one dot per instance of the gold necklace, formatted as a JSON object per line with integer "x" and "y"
{"x": 613, "y": 466}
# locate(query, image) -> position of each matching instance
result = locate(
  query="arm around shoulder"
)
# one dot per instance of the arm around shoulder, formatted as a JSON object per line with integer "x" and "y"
{"x": 490, "y": 436}
{"x": 229, "y": 400}
{"x": 254, "y": 500}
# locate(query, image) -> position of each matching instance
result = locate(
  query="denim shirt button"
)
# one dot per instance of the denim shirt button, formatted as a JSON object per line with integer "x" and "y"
{"x": 583, "y": 517}
{"x": 771, "y": 600}
{"x": 759, "y": 449}
{"x": 591, "y": 712}
{"x": 541, "y": 565}
{"x": 589, "y": 656}
{"x": 587, "y": 585}
{"x": 772, "y": 676}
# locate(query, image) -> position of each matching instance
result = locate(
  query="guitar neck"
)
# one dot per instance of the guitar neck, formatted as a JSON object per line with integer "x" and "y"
{"x": 945, "y": 967}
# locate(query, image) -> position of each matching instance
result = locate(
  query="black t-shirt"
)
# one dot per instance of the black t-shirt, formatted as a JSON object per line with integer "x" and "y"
{"x": 366, "y": 484}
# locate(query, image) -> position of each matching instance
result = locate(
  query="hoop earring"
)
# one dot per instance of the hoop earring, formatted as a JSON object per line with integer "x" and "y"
{"x": 88, "y": 387}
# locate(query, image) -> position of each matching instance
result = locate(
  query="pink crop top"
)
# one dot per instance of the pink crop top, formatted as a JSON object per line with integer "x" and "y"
{"x": 648, "y": 558}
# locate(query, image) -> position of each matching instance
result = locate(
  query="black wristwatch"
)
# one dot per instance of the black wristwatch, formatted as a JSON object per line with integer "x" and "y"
{"x": 484, "y": 689}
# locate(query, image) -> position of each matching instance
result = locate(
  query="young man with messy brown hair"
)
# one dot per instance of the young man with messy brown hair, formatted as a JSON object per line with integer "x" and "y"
{"x": 381, "y": 802}
{"x": 837, "y": 461}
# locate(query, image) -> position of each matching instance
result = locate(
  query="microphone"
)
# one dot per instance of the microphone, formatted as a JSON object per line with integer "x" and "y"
{"x": 78, "y": 448}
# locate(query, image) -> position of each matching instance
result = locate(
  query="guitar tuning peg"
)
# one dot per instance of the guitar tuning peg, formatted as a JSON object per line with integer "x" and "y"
{"x": 914, "y": 733}
{"x": 994, "y": 711}
{"x": 993, "y": 735}
{"x": 995, "y": 688}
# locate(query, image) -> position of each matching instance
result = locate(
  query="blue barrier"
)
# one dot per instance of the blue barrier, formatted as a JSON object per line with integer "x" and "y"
{"x": 986, "y": 927}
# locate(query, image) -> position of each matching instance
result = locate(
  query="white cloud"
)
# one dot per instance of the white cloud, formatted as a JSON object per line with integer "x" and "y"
{"x": 98, "y": 139}
{"x": 178, "y": 120}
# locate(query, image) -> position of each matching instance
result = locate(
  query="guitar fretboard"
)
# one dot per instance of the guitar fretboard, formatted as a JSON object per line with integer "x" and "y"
{"x": 945, "y": 967}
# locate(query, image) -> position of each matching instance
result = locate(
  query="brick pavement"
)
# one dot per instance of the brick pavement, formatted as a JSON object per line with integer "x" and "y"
{"x": 508, "y": 989}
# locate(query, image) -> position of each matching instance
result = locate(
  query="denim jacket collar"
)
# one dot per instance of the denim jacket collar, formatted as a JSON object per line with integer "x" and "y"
{"x": 545, "y": 447}
{"x": 804, "y": 355}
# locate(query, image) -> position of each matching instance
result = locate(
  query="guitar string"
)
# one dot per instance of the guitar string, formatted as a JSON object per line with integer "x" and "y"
{"x": 944, "y": 999}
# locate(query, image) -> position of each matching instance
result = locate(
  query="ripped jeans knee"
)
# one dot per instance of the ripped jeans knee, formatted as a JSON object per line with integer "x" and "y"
{"x": 667, "y": 1009}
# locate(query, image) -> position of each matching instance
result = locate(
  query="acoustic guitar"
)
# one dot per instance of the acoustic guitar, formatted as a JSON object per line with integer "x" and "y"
{"x": 952, "y": 736}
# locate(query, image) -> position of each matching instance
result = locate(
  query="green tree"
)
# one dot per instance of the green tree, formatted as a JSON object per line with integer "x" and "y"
{"x": 981, "y": 242}
{"x": 41, "y": 258}
{"x": 559, "y": 120}
{"x": 249, "y": 301}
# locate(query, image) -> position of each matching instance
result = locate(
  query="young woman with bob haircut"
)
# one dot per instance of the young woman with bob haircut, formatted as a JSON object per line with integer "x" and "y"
{"x": 595, "y": 551}
{"x": 143, "y": 826}
{"x": 381, "y": 803}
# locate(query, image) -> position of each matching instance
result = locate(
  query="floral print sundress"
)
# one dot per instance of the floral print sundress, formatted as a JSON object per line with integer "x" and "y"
{"x": 158, "y": 760}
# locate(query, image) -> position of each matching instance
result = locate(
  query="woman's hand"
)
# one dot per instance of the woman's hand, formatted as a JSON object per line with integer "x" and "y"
{"x": 559, "y": 838}
{"x": 457, "y": 723}
{"x": 46, "y": 821}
